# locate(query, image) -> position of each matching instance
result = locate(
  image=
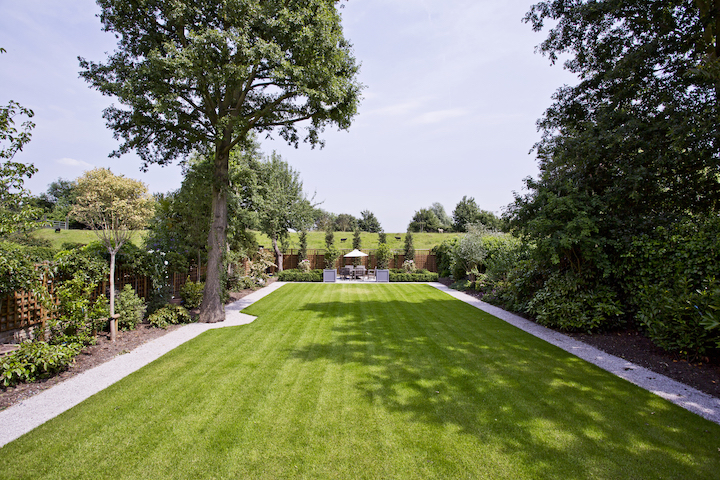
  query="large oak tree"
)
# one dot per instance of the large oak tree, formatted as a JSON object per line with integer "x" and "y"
{"x": 201, "y": 75}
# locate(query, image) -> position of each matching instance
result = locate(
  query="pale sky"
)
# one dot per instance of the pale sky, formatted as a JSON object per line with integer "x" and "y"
{"x": 453, "y": 91}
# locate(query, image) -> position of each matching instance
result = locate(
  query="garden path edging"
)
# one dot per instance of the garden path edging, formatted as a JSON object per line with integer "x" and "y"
{"x": 23, "y": 417}
{"x": 678, "y": 393}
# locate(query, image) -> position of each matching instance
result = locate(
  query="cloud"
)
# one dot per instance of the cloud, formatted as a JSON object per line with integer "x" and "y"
{"x": 440, "y": 116}
{"x": 71, "y": 162}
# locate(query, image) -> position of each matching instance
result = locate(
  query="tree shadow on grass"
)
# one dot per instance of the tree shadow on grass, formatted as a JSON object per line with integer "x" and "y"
{"x": 446, "y": 364}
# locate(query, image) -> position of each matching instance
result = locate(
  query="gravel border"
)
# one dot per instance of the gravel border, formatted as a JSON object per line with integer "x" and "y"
{"x": 678, "y": 393}
{"x": 38, "y": 409}
{"x": 33, "y": 412}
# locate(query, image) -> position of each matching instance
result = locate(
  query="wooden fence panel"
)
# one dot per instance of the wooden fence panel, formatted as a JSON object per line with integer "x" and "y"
{"x": 424, "y": 259}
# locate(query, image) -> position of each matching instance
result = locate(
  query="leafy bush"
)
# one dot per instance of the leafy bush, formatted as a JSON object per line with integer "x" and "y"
{"x": 681, "y": 320}
{"x": 409, "y": 266}
{"x": 130, "y": 307}
{"x": 259, "y": 265}
{"x": 331, "y": 254}
{"x": 383, "y": 254}
{"x": 169, "y": 315}
{"x": 668, "y": 279}
{"x": 17, "y": 270}
{"x": 444, "y": 256}
{"x": 570, "y": 302}
{"x": 35, "y": 360}
{"x": 192, "y": 293}
{"x": 242, "y": 282}
{"x": 304, "y": 265}
{"x": 294, "y": 275}
{"x": 413, "y": 277}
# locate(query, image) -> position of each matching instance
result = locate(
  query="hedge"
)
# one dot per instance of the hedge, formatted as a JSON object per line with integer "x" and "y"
{"x": 295, "y": 275}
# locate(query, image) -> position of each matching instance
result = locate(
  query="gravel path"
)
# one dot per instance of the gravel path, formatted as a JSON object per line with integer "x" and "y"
{"x": 28, "y": 414}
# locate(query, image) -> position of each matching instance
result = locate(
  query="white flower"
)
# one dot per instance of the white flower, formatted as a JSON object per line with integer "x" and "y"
{"x": 166, "y": 262}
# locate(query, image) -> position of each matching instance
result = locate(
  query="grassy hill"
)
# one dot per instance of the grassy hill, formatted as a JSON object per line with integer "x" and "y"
{"x": 316, "y": 240}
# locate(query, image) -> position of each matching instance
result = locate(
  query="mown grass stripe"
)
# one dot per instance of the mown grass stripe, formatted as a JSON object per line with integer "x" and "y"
{"x": 368, "y": 381}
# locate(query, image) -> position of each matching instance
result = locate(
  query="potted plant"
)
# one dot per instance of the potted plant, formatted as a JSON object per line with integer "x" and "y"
{"x": 330, "y": 273}
{"x": 383, "y": 261}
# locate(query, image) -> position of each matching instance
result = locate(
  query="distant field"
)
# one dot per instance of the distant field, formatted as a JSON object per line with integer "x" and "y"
{"x": 369, "y": 241}
{"x": 316, "y": 240}
{"x": 78, "y": 236}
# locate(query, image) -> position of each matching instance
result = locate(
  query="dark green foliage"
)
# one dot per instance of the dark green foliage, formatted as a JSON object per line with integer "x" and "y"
{"x": 130, "y": 307}
{"x": 383, "y": 255}
{"x": 424, "y": 220}
{"x": 36, "y": 360}
{"x": 570, "y": 302}
{"x": 192, "y": 294}
{"x": 409, "y": 249}
{"x": 669, "y": 279}
{"x": 78, "y": 314}
{"x": 302, "y": 238}
{"x": 466, "y": 211}
{"x": 368, "y": 222}
{"x": 169, "y": 315}
{"x": 17, "y": 269}
{"x": 382, "y": 237}
{"x": 397, "y": 275}
{"x": 444, "y": 257}
{"x": 345, "y": 223}
{"x": 294, "y": 275}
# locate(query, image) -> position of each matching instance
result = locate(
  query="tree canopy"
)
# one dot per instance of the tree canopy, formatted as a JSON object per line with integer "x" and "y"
{"x": 202, "y": 75}
{"x": 280, "y": 202}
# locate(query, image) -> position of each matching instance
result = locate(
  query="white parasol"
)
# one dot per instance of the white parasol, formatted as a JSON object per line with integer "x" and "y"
{"x": 355, "y": 253}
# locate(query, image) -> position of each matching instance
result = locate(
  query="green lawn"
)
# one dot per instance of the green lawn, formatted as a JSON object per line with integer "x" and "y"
{"x": 316, "y": 240}
{"x": 369, "y": 381}
{"x": 369, "y": 241}
{"x": 78, "y": 236}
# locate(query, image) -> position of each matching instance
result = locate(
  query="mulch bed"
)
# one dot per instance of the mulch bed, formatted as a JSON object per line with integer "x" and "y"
{"x": 635, "y": 347}
{"x": 95, "y": 355}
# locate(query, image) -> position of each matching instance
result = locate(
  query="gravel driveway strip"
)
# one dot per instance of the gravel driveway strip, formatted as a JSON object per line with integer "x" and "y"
{"x": 38, "y": 409}
{"x": 28, "y": 414}
{"x": 680, "y": 394}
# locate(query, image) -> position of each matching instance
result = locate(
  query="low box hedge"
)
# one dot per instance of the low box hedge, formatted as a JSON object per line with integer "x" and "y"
{"x": 295, "y": 275}
{"x": 413, "y": 277}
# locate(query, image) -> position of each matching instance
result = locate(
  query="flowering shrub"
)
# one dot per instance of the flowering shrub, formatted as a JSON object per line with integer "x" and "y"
{"x": 304, "y": 266}
{"x": 409, "y": 266}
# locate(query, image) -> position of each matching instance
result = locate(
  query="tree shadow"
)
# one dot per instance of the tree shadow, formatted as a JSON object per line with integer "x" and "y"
{"x": 444, "y": 363}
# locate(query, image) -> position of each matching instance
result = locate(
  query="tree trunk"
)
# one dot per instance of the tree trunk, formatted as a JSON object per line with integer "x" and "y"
{"x": 212, "y": 309}
{"x": 278, "y": 255}
{"x": 113, "y": 320}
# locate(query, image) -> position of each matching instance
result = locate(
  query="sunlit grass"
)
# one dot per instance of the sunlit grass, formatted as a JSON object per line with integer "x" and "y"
{"x": 79, "y": 236}
{"x": 369, "y": 381}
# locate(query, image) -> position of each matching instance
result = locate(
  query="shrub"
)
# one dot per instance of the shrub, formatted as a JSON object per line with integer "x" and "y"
{"x": 413, "y": 277}
{"x": 243, "y": 282}
{"x": 294, "y": 275}
{"x": 681, "y": 320}
{"x": 169, "y": 315}
{"x": 304, "y": 266}
{"x": 571, "y": 302}
{"x": 444, "y": 256}
{"x": 383, "y": 254}
{"x": 192, "y": 293}
{"x": 130, "y": 307}
{"x": 35, "y": 360}
{"x": 409, "y": 266}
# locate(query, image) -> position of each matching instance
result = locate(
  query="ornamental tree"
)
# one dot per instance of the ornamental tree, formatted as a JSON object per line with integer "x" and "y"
{"x": 112, "y": 206}
{"x": 202, "y": 75}
{"x": 280, "y": 203}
